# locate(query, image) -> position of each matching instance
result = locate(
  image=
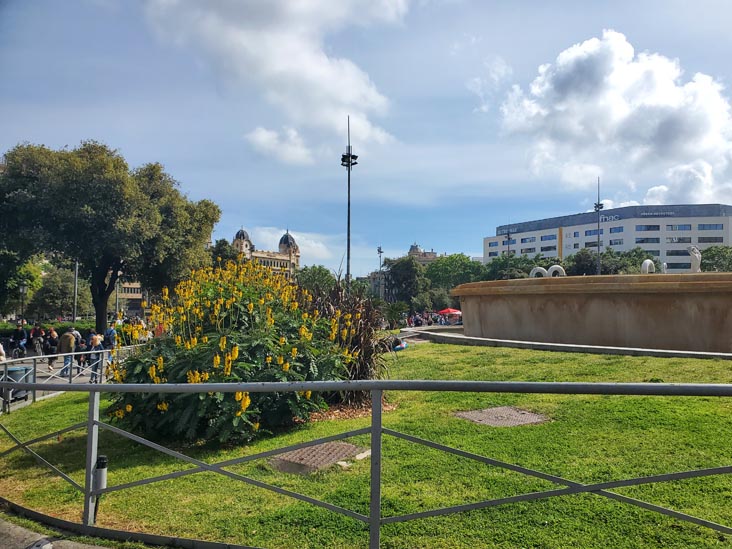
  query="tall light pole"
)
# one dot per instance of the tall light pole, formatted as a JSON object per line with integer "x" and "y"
{"x": 76, "y": 287}
{"x": 381, "y": 281}
{"x": 348, "y": 160}
{"x": 598, "y": 206}
{"x": 22, "y": 289}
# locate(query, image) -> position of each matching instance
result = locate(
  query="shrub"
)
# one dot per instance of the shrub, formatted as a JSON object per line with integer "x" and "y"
{"x": 240, "y": 322}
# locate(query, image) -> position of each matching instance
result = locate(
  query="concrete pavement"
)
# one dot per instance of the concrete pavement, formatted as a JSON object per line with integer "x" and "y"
{"x": 13, "y": 536}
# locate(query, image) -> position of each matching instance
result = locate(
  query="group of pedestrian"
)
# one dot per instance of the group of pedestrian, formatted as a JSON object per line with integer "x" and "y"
{"x": 88, "y": 352}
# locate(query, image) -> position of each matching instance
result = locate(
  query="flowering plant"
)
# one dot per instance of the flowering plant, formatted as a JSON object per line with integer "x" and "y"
{"x": 241, "y": 322}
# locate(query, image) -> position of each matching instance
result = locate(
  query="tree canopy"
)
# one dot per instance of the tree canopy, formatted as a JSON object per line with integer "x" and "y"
{"x": 86, "y": 204}
{"x": 717, "y": 259}
{"x": 316, "y": 278}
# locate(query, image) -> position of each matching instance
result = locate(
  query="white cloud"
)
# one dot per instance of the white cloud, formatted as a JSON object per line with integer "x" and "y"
{"x": 484, "y": 86}
{"x": 288, "y": 147}
{"x": 600, "y": 107}
{"x": 278, "y": 47}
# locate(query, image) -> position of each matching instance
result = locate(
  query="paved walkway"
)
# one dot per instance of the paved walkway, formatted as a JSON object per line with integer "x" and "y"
{"x": 18, "y": 537}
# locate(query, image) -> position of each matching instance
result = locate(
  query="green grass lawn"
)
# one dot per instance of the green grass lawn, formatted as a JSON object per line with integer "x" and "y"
{"x": 589, "y": 439}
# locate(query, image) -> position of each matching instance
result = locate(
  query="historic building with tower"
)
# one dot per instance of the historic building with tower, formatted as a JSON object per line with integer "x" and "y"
{"x": 286, "y": 260}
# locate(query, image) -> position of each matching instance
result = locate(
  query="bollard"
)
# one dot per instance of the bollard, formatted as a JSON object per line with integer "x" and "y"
{"x": 100, "y": 481}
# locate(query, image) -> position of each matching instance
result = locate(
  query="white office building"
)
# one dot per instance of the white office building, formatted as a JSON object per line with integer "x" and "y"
{"x": 663, "y": 231}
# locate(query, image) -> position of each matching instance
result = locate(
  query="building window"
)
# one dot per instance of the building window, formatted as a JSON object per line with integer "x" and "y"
{"x": 509, "y": 242}
{"x": 493, "y": 244}
{"x": 648, "y": 227}
{"x": 616, "y": 242}
{"x": 710, "y": 226}
{"x": 654, "y": 253}
{"x": 616, "y": 230}
{"x": 647, "y": 240}
{"x": 678, "y": 265}
{"x": 677, "y": 252}
{"x": 685, "y": 227}
{"x": 548, "y": 237}
{"x": 576, "y": 245}
{"x": 548, "y": 248}
{"x": 528, "y": 251}
{"x": 576, "y": 234}
{"x": 678, "y": 240}
{"x": 492, "y": 254}
{"x": 593, "y": 244}
{"x": 710, "y": 239}
{"x": 592, "y": 232}
{"x": 528, "y": 239}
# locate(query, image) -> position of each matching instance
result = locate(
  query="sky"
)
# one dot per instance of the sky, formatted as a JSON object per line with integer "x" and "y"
{"x": 465, "y": 115}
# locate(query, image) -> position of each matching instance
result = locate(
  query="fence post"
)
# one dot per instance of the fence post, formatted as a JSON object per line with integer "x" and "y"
{"x": 92, "y": 440}
{"x": 35, "y": 377}
{"x": 375, "y": 499}
{"x": 7, "y": 392}
{"x": 71, "y": 368}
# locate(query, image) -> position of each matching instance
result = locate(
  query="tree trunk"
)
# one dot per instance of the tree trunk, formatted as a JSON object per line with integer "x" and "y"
{"x": 101, "y": 289}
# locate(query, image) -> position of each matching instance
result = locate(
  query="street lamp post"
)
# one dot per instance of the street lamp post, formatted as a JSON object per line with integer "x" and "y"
{"x": 598, "y": 207}
{"x": 381, "y": 282}
{"x": 22, "y": 289}
{"x": 348, "y": 160}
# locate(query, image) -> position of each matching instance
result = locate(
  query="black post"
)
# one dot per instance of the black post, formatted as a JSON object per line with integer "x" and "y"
{"x": 598, "y": 207}
{"x": 348, "y": 160}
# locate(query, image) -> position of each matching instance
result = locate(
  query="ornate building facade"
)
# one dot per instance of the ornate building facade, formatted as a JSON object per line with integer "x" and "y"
{"x": 286, "y": 260}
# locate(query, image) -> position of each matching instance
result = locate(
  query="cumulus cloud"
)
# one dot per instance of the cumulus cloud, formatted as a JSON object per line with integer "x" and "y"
{"x": 602, "y": 107}
{"x": 287, "y": 147}
{"x": 484, "y": 86}
{"x": 278, "y": 47}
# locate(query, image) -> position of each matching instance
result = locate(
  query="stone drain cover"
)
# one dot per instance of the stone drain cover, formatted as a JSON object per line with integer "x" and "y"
{"x": 314, "y": 458}
{"x": 502, "y": 416}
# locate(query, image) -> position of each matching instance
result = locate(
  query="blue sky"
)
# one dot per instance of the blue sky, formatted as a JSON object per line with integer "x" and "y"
{"x": 465, "y": 114}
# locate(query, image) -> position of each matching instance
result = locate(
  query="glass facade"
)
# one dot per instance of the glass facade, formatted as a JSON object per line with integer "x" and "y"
{"x": 678, "y": 240}
{"x": 616, "y": 230}
{"x": 710, "y": 226}
{"x": 493, "y": 244}
{"x": 528, "y": 251}
{"x": 685, "y": 227}
{"x": 546, "y": 237}
{"x": 616, "y": 242}
{"x": 710, "y": 239}
{"x": 678, "y": 265}
{"x": 642, "y": 240}
{"x": 592, "y": 232}
{"x": 548, "y": 248}
{"x": 677, "y": 252}
{"x": 528, "y": 239}
{"x": 640, "y": 228}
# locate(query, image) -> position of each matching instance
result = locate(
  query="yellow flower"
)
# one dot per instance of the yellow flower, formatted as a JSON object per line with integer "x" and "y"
{"x": 245, "y": 401}
{"x": 216, "y": 360}
{"x": 162, "y": 406}
{"x": 307, "y": 394}
{"x": 282, "y": 340}
{"x": 250, "y": 306}
{"x": 255, "y": 426}
{"x": 222, "y": 343}
{"x": 238, "y": 413}
{"x": 293, "y": 352}
{"x": 234, "y": 352}
{"x": 268, "y": 360}
{"x": 160, "y": 362}
{"x": 285, "y": 366}
{"x": 128, "y": 408}
{"x": 261, "y": 301}
{"x": 204, "y": 339}
{"x": 280, "y": 360}
{"x": 238, "y": 396}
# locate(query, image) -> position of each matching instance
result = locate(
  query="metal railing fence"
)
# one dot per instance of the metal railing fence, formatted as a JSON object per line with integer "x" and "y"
{"x": 31, "y": 366}
{"x": 93, "y": 490}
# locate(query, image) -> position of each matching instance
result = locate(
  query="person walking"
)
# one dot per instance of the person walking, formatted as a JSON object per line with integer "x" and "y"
{"x": 96, "y": 358}
{"x": 2, "y": 353}
{"x": 66, "y": 346}
{"x": 110, "y": 336}
{"x": 51, "y": 347}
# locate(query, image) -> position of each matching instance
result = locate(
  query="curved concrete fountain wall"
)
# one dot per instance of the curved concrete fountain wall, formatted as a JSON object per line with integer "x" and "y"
{"x": 689, "y": 312}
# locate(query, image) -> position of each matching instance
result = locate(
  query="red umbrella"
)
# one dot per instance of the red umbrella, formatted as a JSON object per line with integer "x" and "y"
{"x": 449, "y": 312}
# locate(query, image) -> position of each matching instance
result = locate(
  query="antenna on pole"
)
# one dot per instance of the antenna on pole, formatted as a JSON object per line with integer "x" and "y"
{"x": 598, "y": 206}
{"x": 348, "y": 160}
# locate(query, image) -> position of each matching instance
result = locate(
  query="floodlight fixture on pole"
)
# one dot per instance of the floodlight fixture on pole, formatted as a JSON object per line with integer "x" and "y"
{"x": 348, "y": 160}
{"x": 598, "y": 206}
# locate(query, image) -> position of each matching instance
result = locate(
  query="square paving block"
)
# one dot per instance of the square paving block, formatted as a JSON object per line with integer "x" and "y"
{"x": 315, "y": 458}
{"x": 502, "y": 416}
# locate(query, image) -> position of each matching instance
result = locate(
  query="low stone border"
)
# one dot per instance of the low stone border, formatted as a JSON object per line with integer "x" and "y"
{"x": 454, "y": 336}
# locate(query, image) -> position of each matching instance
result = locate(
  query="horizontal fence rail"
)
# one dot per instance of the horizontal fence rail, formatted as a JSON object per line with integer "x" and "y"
{"x": 92, "y": 489}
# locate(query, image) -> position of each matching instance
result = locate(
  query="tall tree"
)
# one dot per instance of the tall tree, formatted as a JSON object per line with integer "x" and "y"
{"x": 717, "y": 259}
{"x": 452, "y": 270}
{"x": 55, "y": 298}
{"x": 404, "y": 279}
{"x": 223, "y": 249}
{"x": 316, "y": 277}
{"x": 88, "y": 206}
